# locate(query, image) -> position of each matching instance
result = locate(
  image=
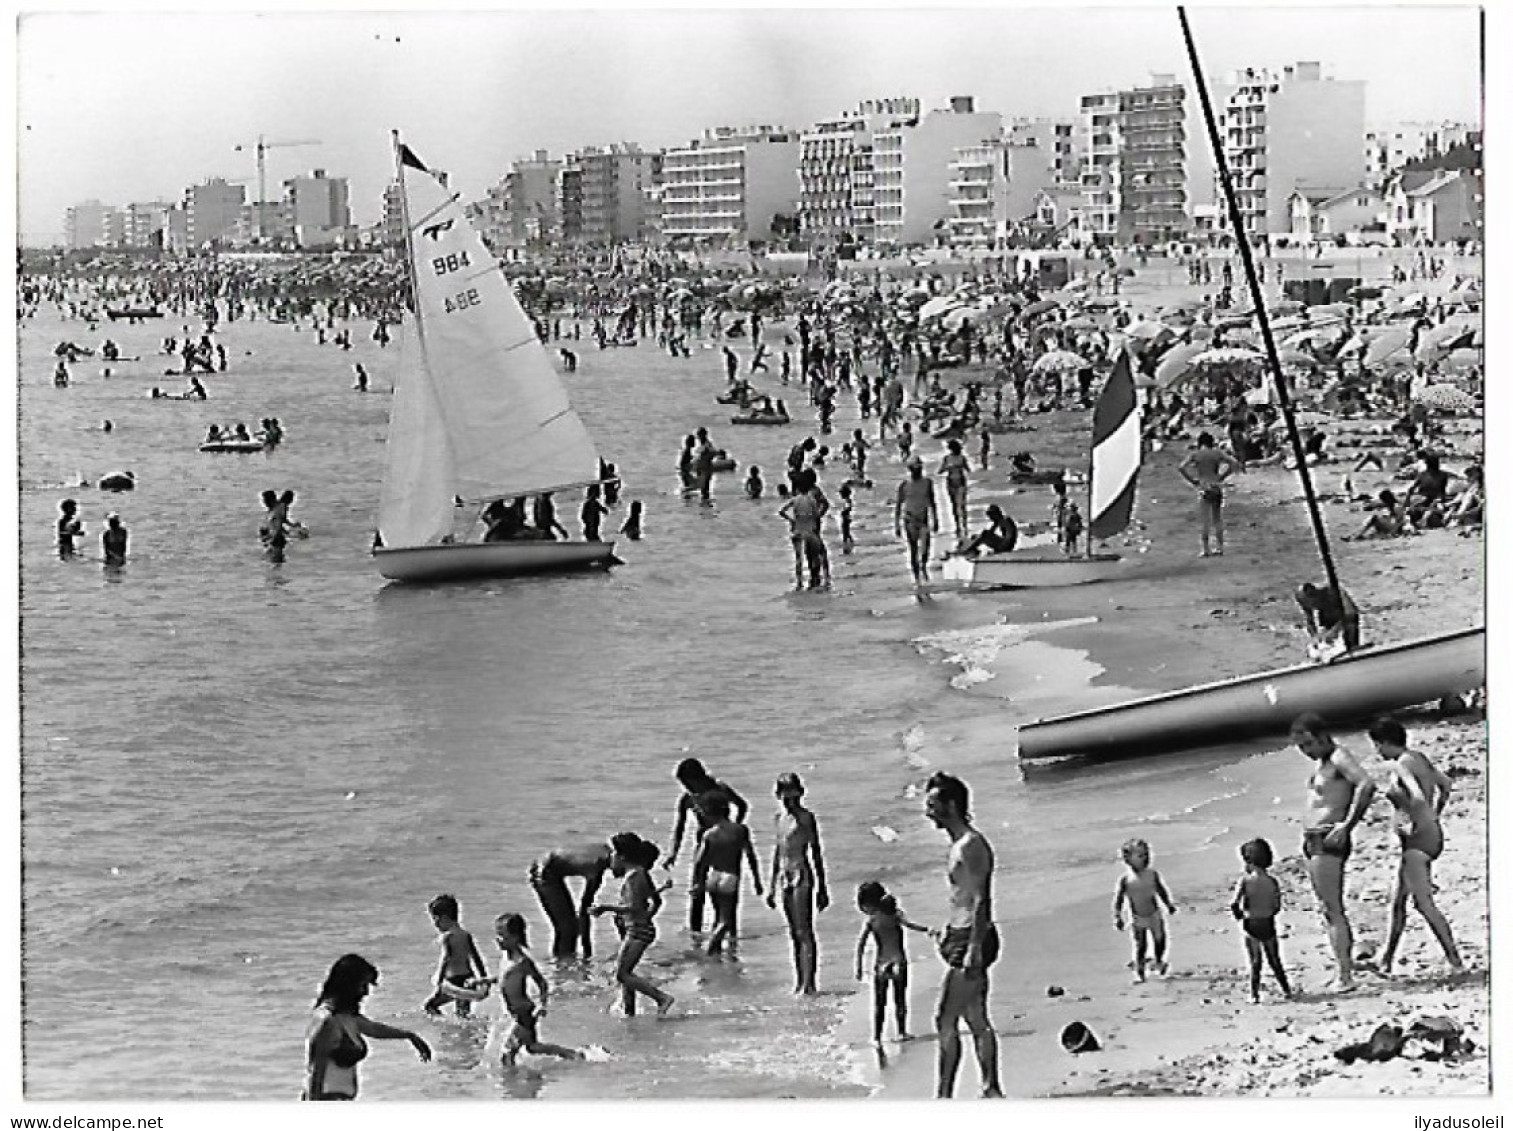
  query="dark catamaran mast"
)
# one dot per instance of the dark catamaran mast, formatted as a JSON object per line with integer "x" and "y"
{"x": 1274, "y": 365}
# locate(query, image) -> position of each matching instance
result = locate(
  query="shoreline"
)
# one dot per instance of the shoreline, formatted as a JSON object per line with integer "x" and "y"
{"x": 1179, "y": 623}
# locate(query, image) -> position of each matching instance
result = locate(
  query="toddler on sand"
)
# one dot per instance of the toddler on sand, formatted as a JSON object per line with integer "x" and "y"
{"x": 885, "y": 926}
{"x": 1141, "y": 886}
{"x": 1257, "y": 902}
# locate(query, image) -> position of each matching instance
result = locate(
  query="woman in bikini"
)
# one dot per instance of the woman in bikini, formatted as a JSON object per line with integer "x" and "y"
{"x": 1418, "y": 792}
{"x": 334, "y": 1042}
{"x": 630, "y": 859}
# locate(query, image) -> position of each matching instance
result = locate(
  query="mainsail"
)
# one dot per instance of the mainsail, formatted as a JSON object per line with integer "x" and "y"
{"x": 1116, "y": 453}
{"x": 484, "y": 415}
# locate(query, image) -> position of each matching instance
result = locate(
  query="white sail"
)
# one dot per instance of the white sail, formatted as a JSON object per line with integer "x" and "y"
{"x": 489, "y": 418}
{"x": 415, "y": 507}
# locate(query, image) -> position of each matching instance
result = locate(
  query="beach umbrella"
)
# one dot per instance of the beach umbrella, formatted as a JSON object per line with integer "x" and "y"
{"x": 1296, "y": 357}
{"x": 938, "y": 306}
{"x": 1445, "y": 398}
{"x": 1174, "y": 366}
{"x": 1037, "y": 308}
{"x": 1442, "y": 340}
{"x": 1100, "y": 302}
{"x": 1145, "y": 330}
{"x": 1387, "y": 344}
{"x": 1058, "y": 361}
{"x": 1463, "y": 359}
{"x": 1225, "y": 357}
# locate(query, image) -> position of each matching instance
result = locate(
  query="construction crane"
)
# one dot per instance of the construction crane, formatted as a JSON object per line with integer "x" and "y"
{"x": 261, "y": 148}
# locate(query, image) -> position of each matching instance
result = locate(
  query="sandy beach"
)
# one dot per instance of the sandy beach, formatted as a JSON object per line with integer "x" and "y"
{"x": 1176, "y": 622}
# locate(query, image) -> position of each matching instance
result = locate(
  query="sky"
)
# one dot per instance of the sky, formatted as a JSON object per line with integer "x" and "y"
{"x": 136, "y": 106}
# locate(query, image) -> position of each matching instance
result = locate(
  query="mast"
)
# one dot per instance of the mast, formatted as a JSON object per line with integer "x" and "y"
{"x": 1273, "y": 363}
{"x": 406, "y": 249}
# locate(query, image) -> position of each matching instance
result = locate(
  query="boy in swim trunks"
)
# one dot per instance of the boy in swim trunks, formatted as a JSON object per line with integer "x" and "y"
{"x": 798, "y": 873}
{"x": 1257, "y": 902}
{"x": 525, "y": 1015}
{"x": 885, "y": 926}
{"x": 1142, "y": 888}
{"x": 459, "y": 956}
{"x": 722, "y": 846}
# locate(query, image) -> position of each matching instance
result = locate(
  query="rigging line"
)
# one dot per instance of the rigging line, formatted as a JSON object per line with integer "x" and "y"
{"x": 1273, "y": 363}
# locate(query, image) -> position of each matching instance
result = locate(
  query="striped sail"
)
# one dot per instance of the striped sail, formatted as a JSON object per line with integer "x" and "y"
{"x": 1116, "y": 453}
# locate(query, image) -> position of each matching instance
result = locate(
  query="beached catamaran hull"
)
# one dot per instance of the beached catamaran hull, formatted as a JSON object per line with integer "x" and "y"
{"x": 422, "y": 564}
{"x": 1032, "y": 569}
{"x": 1366, "y": 683}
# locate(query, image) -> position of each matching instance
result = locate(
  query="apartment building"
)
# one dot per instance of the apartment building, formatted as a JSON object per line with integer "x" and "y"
{"x": 995, "y": 190}
{"x": 729, "y": 184}
{"x": 570, "y": 202}
{"x": 1389, "y": 148}
{"x": 912, "y": 170}
{"x": 836, "y": 201}
{"x": 1288, "y": 130}
{"x": 1147, "y": 166}
{"x": 614, "y": 180}
{"x": 1101, "y": 181}
{"x": 213, "y": 211}
{"x": 1060, "y": 139}
{"x": 318, "y": 209}
{"x": 523, "y": 207}
{"x": 92, "y": 224}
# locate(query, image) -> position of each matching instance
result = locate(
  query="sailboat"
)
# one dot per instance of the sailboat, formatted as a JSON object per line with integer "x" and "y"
{"x": 480, "y": 418}
{"x": 1116, "y": 453}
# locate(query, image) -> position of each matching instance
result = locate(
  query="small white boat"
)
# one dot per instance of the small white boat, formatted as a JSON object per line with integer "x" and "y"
{"x": 1034, "y": 568}
{"x": 479, "y": 416}
{"x": 461, "y": 561}
{"x": 1116, "y": 449}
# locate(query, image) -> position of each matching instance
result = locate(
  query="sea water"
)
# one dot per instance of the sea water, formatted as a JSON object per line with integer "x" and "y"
{"x": 234, "y": 771}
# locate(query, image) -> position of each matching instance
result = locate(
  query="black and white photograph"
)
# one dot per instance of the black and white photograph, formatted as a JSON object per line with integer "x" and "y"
{"x": 749, "y": 554}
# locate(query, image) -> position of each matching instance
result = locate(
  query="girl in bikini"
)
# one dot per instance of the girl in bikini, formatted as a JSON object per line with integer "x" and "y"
{"x": 630, "y": 859}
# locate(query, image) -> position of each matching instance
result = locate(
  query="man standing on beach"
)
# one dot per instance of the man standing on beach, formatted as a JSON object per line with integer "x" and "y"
{"x": 1205, "y": 470}
{"x": 915, "y": 517}
{"x": 969, "y": 942}
{"x": 1339, "y": 793}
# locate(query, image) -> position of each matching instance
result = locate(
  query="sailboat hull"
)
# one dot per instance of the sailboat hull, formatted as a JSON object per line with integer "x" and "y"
{"x": 420, "y": 565}
{"x": 1032, "y": 568}
{"x": 1356, "y": 687}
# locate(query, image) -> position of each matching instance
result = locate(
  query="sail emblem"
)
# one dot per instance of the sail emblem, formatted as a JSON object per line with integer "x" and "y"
{"x": 435, "y": 230}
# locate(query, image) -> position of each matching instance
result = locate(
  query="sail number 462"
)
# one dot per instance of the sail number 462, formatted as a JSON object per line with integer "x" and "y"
{"x": 462, "y": 300}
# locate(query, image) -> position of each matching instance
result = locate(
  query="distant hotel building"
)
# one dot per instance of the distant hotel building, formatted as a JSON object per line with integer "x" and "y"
{"x": 836, "y": 177}
{"x": 1389, "y": 148}
{"x": 729, "y": 184}
{"x": 92, "y": 224}
{"x": 613, "y": 184}
{"x": 317, "y": 209}
{"x": 995, "y": 189}
{"x": 912, "y": 170}
{"x": 213, "y": 211}
{"x": 1290, "y": 131}
{"x": 1147, "y": 169}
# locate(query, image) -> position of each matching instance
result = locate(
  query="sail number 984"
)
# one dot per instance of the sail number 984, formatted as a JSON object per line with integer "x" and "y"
{"x": 446, "y": 264}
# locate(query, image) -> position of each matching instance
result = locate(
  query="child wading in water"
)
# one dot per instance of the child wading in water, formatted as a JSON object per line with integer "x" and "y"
{"x": 519, "y": 969}
{"x": 1143, "y": 888}
{"x": 1257, "y": 902}
{"x": 639, "y": 903}
{"x": 459, "y": 956}
{"x": 885, "y": 926}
